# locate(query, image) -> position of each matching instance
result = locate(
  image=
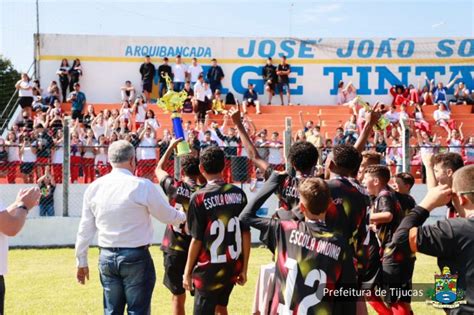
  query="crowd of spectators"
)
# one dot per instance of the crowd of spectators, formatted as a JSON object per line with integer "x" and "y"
{"x": 33, "y": 148}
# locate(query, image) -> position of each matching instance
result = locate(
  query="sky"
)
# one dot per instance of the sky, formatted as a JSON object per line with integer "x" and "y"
{"x": 301, "y": 19}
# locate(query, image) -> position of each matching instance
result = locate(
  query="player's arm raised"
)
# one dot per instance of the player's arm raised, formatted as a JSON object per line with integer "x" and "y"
{"x": 160, "y": 170}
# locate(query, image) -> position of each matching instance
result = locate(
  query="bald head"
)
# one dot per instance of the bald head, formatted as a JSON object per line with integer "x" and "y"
{"x": 463, "y": 182}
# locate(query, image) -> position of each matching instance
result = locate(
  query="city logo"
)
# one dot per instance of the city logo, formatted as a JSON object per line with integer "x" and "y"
{"x": 445, "y": 293}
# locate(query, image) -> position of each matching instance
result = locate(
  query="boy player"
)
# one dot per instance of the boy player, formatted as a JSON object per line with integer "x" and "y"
{"x": 312, "y": 260}
{"x": 220, "y": 246}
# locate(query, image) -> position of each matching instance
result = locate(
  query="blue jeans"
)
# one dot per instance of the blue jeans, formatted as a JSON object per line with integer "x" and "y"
{"x": 128, "y": 277}
{"x": 162, "y": 89}
{"x": 178, "y": 86}
{"x": 47, "y": 209}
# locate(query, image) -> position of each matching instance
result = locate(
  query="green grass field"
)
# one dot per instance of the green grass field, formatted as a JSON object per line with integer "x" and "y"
{"x": 42, "y": 281}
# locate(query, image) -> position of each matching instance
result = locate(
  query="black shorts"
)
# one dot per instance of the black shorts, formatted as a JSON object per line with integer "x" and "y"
{"x": 207, "y": 304}
{"x": 27, "y": 167}
{"x": 283, "y": 87}
{"x": 147, "y": 86}
{"x": 202, "y": 106}
{"x": 271, "y": 85}
{"x": 373, "y": 272}
{"x": 397, "y": 281}
{"x": 174, "y": 264}
{"x": 77, "y": 114}
{"x": 25, "y": 101}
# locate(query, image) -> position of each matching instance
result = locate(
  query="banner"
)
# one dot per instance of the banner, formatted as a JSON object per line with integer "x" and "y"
{"x": 373, "y": 65}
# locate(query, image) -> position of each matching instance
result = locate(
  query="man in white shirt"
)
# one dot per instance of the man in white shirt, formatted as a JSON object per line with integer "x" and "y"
{"x": 119, "y": 206}
{"x": 194, "y": 70}
{"x": 12, "y": 220}
{"x": 179, "y": 74}
{"x": 201, "y": 93}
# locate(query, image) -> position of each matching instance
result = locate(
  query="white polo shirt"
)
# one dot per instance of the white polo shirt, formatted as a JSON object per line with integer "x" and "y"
{"x": 194, "y": 72}
{"x": 3, "y": 249}
{"x": 179, "y": 72}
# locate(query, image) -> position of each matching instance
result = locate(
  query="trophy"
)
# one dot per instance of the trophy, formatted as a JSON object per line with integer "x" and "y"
{"x": 173, "y": 102}
{"x": 382, "y": 123}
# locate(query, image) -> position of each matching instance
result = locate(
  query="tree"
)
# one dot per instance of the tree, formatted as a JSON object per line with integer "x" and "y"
{"x": 8, "y": 77}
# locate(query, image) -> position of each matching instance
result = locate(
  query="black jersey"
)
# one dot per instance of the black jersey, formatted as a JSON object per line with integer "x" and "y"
{"x": 177, "y": 239}
{"x": 283, "y": 78}
{"x": 213, "y": 219}
{"x": 269, "y": 73}
{"x": 312, "y": 262}
{"x": 407, "y": 203}
{"x": 386, "y": 201}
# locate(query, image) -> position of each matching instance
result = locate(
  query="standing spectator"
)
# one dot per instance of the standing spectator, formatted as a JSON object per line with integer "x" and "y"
{"x": 215, "y": 74}
{"x": 99, "y": 126}
{"x": 207, "y": 141}
{"x": 179, "y": 74}
{"x": 75, "y": 72}
{"x": 88, "y": 157}
{"x": 469, "y": 151}
{"x": 28, "y": 160}
{"x": 147, "y": 71}
{"x": 461, "y": 95}
{"x": 47, "y": 187}
{"x": 339, "y": 138}
{"x": 270, "y": 78}
{"x": 53, "y": 94}
{"x": 189, "y": 102}
{"x": 102, "y": 164}
{"x": 261, "y": 145}
{"x": 63, "y": 74}
{"x": 194, "y": 70}
{"x": 350, "y": 130}
{"x": 314, "y": 137}
{"x": 202, "y": 99}
{"x": 455, "y": 140}
{"x": 139, "y": 109}
{"x": 78, "y": 100}
{"x": 275, "y": 156}
{"x": 146, "y": 153}
{"x": 440, "y": 92}
{"x": 3, "y": 158}
{"x": 44, "y": 145}
{"x": 76, "y": 158}
{"x": 283, "y": 72}
{"x": 218, "y": 105}
{"x": 58, "y": 157}
{"x": 89, "y": 116}
{"x": 251, "y": 99}
{"x": 128, "y": 92}
{"x": 163, "y": 70}
{"x": 151, "y": 120}
{"x": 25, "y": 93}
{"x": 13, "y": 156}
{"x": 442, "y": 117}
{"x": 231, "y": 143}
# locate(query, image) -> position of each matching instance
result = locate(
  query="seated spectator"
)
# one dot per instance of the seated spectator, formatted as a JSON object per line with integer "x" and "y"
{"x": 380, "y": 144}
{"x": 126, "y": 111}
{"x": 53, "y": 94}
{"x": 327, "y": 150}
{"x": 440, "y": 92}
{"x": 207, "y": 141}
{"x": 47, "y": 187}
{"x": 56, "y": 121}
{"x": 442, "y": 118}
{"x": 128, "y": 92}
{"x": 414, "y": 94}
{"x": 469, "y": 151}
{"x": 39, "y": 106}
{"x": 339, "y": 138}
{"x": 350, "y": 130}
{"x": 251, "y": 99}
{"x": 190, "y": 101}
{"x": 218, "y": 105}
{"x": 230, "y": 99}
{"x": 461, "y": 95}
{"x": 139, "y": 109}
{"x": 426, "y": 94}
{"x": 400, "y": 94}
{"x": 420, "y": 122}
{"x": 455, "y": 140}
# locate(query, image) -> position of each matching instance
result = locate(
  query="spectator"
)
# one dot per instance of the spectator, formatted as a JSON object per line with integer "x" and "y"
{"x": 270, "y": 78}
{"x": 3, "y": 158}
{"x": 25, "y": 93}
{"x": 146, "y": 152}
{"x": 147, "y": 71}
{"x": 44, "y": 144}
{"x": 327, "y": 150}
{"x": 230, "y": 99}
{"x": 350, "y": 130}
{"x": 420, "y": 122}
{"x": 275, "y": 156}
{"x": 163, "y": 70}
{"x": 88, "y": 157}
{"x": 194, "y": 143}
{"x": 28, "y": 160}
{"x": 231, "y": 143}
{"x": 400, "y": 94}
{"x": 461, "y": 95}
{"x": 218, "y": 105}
{"x": 189, "y": 102}
{"x": 403, "y": 113}
{"x": 283, "y": 72}
{"x": 126, "y": 112}
{"x": 128, "y": 92}
{"x": 442, "y": 118}
{"x": 47, "y": 187}
{"x": 394, "y": 155}
{"x": 440, "y": 93}
{"x": 380, "y": 144}
{"x": 426, "y": 97}
{"x": 317, "y": 140}
{"x": 261, "y": 145}
{"x": 194, "y": 70}
{"x": 13, "y": 156}
{"x": 251, "y": 99}
{"x": 469, "y": 151}
{"x": 202, "y": 99}
{"x": 179, "y": 74}
{"x": 207, "y": 141}
{"x": 53, "y": 94}
{"x": 58, "y": 156}
{"x": 346, "y": 95}
{"x": 75, "y": 72}
{"x": 63, "y": 74}
{"x": 89, "y": 116}
{"x": 151, "y": 120}
{"x": 300, "y": 136}
{"x": 455, "y": 140}
{"x": 339, "y": 138}
{"x": 393, "y": 116}
{"x": 215, "y": 75}
{"x": 139, "y": 109}
{"x": 78, "y": 100}
{"x": 102, "y": 164}
{"x": 76, "y": 158}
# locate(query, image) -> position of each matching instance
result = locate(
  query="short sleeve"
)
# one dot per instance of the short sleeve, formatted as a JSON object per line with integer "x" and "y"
{"x": 385, "y": 204}
{"x": 167, "y": 184}
{"x": 196, "y": 221}
{"x": 437, "y": 239}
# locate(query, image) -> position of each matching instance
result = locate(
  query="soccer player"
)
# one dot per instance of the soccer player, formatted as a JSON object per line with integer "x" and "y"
{"x": 220, "y": 246}
{"x": 303, "y": 157}
{"x": 176, "y": 240}
{"x": 452, "y": 239}
{"x": 311, "y": 257}
{"x": 439, "y": 171}
{"x": 403, "y": 183}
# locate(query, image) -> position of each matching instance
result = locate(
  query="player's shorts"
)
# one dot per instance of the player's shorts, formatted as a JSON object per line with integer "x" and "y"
{"x": 373, "y": 272}
{"x": 147, "y": 86}
{"x": 397, "y": 281}
{"x": 174, "y": 264}
{"x": 207, "y": 304}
